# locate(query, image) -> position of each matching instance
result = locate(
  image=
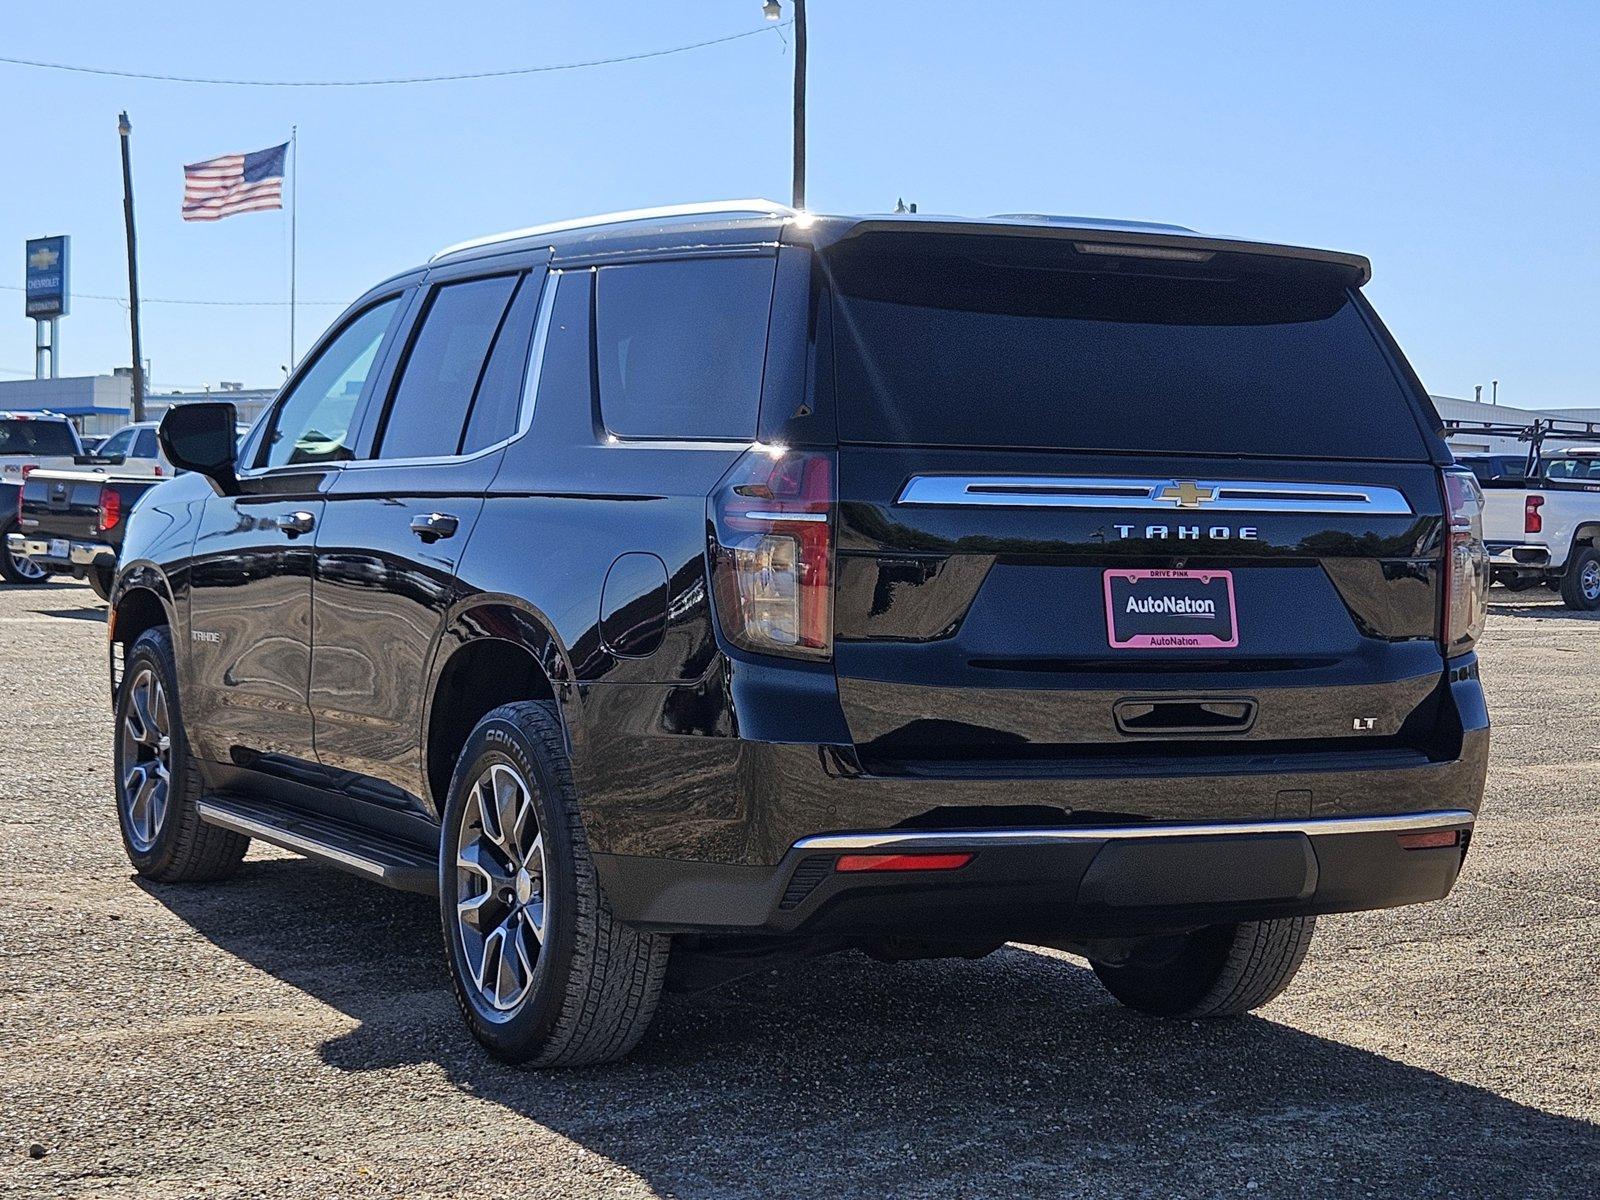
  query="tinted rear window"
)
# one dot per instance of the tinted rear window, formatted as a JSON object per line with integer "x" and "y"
{"x": 444, "y": 367}
{"x": 26, "y": 436}
{"x": 681, "y": 345}
{"x": 1021, "y": 343}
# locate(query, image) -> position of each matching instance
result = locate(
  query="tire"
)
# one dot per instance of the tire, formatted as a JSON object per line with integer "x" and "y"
{"x": 17, "y": 569}
{"x": 1218, "y": 971}
{"x": 157, "y": 785}
{"x": 585, "y": 986}
{"x": 100, "y": 581}
{"x": 1580, "y": 585}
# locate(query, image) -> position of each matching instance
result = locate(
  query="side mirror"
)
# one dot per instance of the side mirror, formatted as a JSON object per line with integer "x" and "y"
{"x": 200, "y": 437}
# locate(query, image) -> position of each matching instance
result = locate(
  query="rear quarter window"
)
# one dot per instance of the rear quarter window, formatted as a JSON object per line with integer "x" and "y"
{"x": 997, "y": 342}
{"x": 680, "y": 346}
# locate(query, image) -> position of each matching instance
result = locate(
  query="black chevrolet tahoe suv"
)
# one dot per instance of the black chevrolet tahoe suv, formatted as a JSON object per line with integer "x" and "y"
{"x": 720, "y": 582}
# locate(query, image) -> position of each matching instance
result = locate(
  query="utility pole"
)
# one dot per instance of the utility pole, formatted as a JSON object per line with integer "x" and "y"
{"x": 772, "y": 9}
{"x": 124, "y": 128}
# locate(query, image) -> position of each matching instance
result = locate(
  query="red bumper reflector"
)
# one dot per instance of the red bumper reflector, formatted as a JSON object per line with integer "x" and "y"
{"x": 901, "y": 862}
{"x": 1433, "y": 839}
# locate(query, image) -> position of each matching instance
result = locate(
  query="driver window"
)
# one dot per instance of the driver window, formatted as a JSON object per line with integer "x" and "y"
{"x": 312, "y": 423}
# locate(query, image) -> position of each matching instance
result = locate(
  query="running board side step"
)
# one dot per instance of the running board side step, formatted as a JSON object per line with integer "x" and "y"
{"x": 384, "y": 860}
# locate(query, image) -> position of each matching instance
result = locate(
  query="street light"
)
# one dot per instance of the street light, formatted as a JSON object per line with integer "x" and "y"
{"x": 772, "y": 10}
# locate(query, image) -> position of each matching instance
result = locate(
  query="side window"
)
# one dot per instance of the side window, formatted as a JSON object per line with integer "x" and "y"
{"x": 145, "y": 446}
{"x": 443, "y": 368}
{"x": 312, "y": 422}
{"x": 118, "y": 443}
{"x": 499, "y": 399}
{"x": 681, "y": 346}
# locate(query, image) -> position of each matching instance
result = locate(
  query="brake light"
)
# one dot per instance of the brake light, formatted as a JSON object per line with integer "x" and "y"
{"x": 29, "y": 469}
{"x": 772, "y": 552}
{"x": 1532, "y": 520}
{"x": 110, "y": 508}
{"x": 1466, "y": 568}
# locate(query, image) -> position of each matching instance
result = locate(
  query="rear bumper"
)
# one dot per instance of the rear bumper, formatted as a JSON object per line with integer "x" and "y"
{"x": 1055, "y": 882}
{"x": 1519, "y": 554}
{"x": 79, "y": 554}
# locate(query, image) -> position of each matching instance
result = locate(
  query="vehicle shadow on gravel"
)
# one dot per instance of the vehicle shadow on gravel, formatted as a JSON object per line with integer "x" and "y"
{"x": 1014, "y": 1075}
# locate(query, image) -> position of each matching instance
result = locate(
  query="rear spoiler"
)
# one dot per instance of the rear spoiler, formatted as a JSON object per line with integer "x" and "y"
{"x": 1355, "y": 269}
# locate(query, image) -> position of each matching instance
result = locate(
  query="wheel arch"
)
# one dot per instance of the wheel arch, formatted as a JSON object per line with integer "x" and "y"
{"x": 140, "y": 601}
{"x": 492, "y": 652}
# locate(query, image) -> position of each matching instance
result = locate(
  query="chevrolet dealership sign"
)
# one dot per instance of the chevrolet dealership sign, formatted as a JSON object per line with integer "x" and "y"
{"x": 45, "y": 278}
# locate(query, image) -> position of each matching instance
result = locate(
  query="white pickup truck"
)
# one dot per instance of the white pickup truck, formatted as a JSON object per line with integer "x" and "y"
{"x": 1545, "y": 527}
{"x": 30, "y": 440}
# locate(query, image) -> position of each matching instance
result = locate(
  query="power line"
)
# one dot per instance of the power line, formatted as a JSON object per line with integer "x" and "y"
{"x": 399, "y": 80}
{"x": 11, "y": 287}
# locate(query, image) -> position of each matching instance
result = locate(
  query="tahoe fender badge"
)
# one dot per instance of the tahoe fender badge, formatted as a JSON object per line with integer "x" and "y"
{"x": 205, "y": 635}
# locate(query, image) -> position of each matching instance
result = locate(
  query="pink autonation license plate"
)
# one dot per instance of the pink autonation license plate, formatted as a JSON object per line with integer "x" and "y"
{"x": 1170, "y": 610}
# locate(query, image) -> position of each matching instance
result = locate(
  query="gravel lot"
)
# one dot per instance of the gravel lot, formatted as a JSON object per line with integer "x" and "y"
{"x": 291, "y": 1032}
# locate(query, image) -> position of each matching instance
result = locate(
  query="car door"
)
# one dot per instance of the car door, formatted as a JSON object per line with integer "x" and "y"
{"x": 398, "y": 518}
{"x": 249, "y": 643}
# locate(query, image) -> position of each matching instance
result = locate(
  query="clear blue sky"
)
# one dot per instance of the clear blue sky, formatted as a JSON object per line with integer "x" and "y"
{"x": 1456, "y": 144}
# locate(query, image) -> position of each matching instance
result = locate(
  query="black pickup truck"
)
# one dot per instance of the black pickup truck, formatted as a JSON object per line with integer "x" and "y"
{"x": 72, "y": 522}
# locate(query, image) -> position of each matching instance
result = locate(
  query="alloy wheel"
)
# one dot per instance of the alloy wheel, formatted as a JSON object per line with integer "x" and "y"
{"x": 1589, "y": 580}
{"x": 30, "y": 571}
{"x": 501, "y": 901}
{"x": 146, "y": 760}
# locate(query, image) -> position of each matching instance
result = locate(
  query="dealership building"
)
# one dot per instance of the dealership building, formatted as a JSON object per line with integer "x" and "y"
{"x": 100, "y": 404}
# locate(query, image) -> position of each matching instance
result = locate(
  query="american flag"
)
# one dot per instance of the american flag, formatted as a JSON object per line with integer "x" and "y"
{"x": 234, "y": 183}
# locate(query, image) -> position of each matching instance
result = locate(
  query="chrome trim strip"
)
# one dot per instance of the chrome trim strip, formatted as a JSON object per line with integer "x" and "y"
{"x": 955, "y": 839}
{"x": 530, "y": 386}
{"x": 1158, "y": 495}
{"x": 785, "y": 516}
{"x": 213, "y": 814}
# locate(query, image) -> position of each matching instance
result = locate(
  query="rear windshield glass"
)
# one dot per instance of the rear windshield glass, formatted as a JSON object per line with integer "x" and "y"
{"x": 1010, "y": 342}
{"x": 24, "y": 436}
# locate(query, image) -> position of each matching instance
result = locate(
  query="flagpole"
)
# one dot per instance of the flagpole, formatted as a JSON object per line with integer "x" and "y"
{"x": 294, "y": 214}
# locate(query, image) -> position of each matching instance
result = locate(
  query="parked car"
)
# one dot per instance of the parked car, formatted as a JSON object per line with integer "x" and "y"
{"x": 29, "y": 441}
{"x": 1548, "y": 529}
{"x": 1496, "y": 468}
{"x": 72, "y": 523}
{"x": 672, "y": 591}
{"x": 133, "y": 450}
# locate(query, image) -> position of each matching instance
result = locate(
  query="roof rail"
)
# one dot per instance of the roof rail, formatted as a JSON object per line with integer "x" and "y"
{"x": 752, "y": 207}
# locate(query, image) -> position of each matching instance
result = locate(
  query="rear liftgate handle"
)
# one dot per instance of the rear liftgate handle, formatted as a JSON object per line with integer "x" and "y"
{"x": 433, "y": 526}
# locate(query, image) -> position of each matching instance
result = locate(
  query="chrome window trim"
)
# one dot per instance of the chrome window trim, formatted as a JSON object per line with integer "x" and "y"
{"x": 530, "y": 389}
{"x": 1226, "y": 495}
{"x": 913, "y": 839}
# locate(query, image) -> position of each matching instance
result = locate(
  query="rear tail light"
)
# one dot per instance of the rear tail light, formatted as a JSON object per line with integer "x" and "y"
{"x": 1466, "y": 570}
{"x": 1532, "y": 519}
{"x": 110, "y": 508}
{"x": 772, "y": 552}
{"x": 29, "y": 469}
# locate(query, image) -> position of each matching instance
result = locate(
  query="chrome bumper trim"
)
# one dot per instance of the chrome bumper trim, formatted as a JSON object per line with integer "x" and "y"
{"x": 79, "y": 554}
{"x": 955, "y": 839}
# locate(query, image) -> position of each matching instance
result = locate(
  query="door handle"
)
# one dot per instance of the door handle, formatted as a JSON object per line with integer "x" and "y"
{"x": 433, "y": 526}
{"x": 296, "y": 523}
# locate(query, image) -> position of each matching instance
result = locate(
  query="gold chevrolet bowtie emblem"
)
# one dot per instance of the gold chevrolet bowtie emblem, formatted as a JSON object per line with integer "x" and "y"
{"x": 1186, "y": 494}
{"x": 43, "y": 258}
